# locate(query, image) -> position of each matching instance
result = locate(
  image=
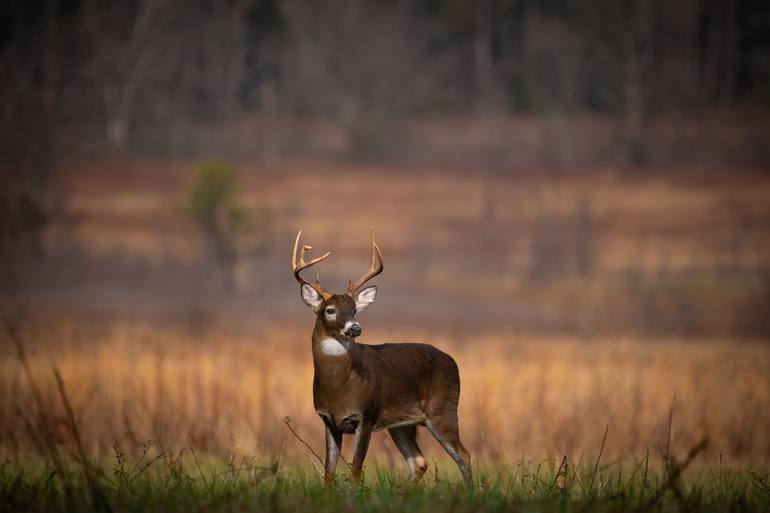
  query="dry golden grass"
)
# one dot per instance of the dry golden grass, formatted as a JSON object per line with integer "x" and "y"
{"x": 531, "y": 397}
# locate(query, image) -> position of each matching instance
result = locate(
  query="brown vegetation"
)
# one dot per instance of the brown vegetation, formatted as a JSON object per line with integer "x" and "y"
{"x": 521, "y": 396}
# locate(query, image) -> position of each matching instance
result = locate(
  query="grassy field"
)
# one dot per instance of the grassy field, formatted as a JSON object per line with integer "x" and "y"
{"x": 168, "y": 484}
{"x": 611, "y": 335}
{"x": 134, "y": 417}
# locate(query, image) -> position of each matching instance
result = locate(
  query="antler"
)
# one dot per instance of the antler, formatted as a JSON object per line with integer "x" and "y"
{"x": 375, "y": 268}
{"x": 302, "y": 265}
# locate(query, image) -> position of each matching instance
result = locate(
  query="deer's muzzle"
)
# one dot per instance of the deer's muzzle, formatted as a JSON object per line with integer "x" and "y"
{"x": 352, "y": 329}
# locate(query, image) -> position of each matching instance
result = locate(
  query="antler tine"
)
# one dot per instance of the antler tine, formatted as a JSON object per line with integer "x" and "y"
{"x": 375, "y": 267}
{"x": 298, "y": 267}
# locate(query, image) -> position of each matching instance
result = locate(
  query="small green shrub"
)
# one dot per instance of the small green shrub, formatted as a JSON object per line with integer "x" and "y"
{"x": 213, "y": 203}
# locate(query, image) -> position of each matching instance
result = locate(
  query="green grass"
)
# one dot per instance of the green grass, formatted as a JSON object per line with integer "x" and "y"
{"x": 168, "y": 485}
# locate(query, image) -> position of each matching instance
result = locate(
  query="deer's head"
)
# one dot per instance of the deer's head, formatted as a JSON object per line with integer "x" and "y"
{"x": 337, "y": 312}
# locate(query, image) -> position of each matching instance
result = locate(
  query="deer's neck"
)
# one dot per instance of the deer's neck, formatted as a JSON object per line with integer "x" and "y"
{"x": 332, "y": 355}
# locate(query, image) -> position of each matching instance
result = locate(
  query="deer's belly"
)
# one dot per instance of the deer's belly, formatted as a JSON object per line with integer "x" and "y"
{"x": 397, "y": 417}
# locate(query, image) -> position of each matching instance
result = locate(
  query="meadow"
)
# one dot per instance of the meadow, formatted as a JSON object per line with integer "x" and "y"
{"x": 611, "y": 334}
{"x": 146, "y": 418}
{"x": 533, "y": 397}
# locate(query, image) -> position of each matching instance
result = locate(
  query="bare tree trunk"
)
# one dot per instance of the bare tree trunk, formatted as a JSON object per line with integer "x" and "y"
{"x": 635, "y": 69}
{"x": 486, "y": 97}
{"x": 115, "y": 118}
{"x": 132, "y": 60}
{"x": 719, "y": 53}
{"x": 633, "y": 110}
{"x": 234, "y": 57}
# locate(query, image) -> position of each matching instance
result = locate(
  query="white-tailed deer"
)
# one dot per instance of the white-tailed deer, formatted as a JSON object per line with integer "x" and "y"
{"x": 359, "y": 388}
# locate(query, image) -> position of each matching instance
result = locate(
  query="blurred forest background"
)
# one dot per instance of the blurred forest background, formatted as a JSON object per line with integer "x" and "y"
{"x": 567, "y": 82}
{"x": 581, "y": 188}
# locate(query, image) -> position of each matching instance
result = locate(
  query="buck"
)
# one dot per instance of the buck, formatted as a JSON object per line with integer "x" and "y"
{"x": 359, "y": 388}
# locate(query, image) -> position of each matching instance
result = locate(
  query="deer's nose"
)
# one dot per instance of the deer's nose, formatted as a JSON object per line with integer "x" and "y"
{"x": 352, "y": 329}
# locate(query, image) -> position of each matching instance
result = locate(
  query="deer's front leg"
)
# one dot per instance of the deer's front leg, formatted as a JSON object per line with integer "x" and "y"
{"x": 363, "y": 435}
{"x": 333, "y": 449}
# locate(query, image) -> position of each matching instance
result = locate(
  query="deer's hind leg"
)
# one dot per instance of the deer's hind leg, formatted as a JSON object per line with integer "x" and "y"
{"x": 405, "y": 438}
{"x": 443, "y": 427}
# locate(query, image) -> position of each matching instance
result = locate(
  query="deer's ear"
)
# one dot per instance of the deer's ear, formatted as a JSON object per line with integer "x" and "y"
{"x": 311, "y": 297}
{"x": 365, "y": 297}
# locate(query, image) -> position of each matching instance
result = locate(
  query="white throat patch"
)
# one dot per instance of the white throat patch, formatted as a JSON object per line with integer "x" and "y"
{"x": 332, "y": 347}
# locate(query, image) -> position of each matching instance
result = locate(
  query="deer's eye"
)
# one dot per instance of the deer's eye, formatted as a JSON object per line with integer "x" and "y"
{"x": 331, "y": 311}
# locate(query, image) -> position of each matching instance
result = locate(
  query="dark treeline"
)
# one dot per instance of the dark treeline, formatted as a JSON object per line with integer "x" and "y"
{"x": 113, "y": 69}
